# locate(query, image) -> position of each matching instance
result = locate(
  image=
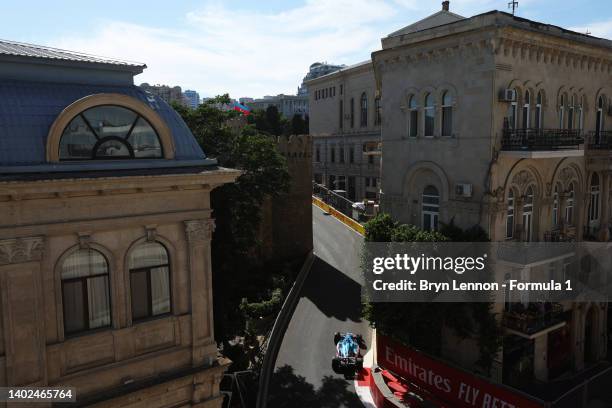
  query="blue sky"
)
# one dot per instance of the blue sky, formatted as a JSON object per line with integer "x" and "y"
{"x": 251, "y": 48}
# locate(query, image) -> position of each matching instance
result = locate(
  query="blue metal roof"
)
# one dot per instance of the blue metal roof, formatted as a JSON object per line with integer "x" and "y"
{"x": 28, "y": 109}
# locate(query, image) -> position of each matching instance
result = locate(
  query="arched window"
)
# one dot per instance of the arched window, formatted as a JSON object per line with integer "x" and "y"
{"x": 512, "y": 113}
{"x": 510, "y": 215}
{"x": 149, "y": 280}
{"x": 538, "y": 112}
{"x": 562, "y": 112}
{"x": 341, "y": 117}
{"x": 599, "y": 120}
{"x": 447, "y": 114}
{"x": 555, "y": 208}
{"x": 364, "y": 110}
{"x": 109, "y": 132}
{"x": 569, "y": 205}
{"x": 594, "y": 203}
{"x": 85, "y": 291}
{"x": 352, "y": 113}
{"x": 431, "y": 208}
{"x": 571, "y": 112}
{"x": 413, "y": 126}
{"x": 528, "y": 215}
{"x": 378, "y": 112}
{"x": 527, "y": 110}
{"x": 429, "y": 111}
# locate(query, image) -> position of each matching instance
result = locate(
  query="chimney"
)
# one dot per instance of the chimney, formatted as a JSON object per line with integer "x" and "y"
{"x": 445, "y": 5}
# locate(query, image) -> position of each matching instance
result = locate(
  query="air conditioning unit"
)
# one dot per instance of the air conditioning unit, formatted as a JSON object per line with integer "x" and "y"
{"x": 508, "y": 95}
{"x": 463, "y": 190}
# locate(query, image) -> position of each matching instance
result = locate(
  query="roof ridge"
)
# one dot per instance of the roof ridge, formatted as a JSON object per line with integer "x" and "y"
{"x": 99, "y": 58}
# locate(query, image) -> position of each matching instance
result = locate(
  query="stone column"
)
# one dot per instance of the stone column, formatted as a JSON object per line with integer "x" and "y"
{"x": 199, "y": 234}
{"x": 22, "y": 318}
{"x": 540, "y": 358}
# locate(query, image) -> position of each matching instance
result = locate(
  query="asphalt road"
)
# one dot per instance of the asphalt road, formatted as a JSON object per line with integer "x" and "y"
{"x": 330, "y": 301}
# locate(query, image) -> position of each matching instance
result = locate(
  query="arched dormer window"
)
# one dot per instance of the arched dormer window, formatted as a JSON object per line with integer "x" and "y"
{"x": 109, "y": 132}
{"x": 149, "y": 267}
{"x": 106, "y": 127}
{"x": 571, "y": 110}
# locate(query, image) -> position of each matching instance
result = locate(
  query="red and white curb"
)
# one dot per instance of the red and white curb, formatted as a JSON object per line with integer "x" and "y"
{"x": 362, "y": 381}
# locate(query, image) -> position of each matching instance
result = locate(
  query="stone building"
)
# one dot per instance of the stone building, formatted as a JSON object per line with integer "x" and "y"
{"x": 105, "y": 230}
{"x": 503, "y": 122}
{"x": 170, "y": 94}
{"x": 345, "y": 126}
{"x": 287, "y": 105}
{"x": 316, "y": 70}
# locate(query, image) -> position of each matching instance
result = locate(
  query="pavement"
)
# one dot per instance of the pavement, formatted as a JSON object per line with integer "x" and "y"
{"x": 330, "y": 301}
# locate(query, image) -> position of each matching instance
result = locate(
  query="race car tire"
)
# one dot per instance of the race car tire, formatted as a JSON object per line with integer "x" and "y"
{"x": 336, "y": 365}
{"x": 359, "y": 363}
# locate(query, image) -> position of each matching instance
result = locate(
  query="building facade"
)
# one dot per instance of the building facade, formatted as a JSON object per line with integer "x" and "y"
{"x": 167, "y": 93}
{"x": 345, "y": 126}
{"x": 287, "y": 105}
{"x": 503, "y": 122}
{"x": 192, "y": 98}
{"x": 105, "y": 230}
{"x": 316, "y": 70}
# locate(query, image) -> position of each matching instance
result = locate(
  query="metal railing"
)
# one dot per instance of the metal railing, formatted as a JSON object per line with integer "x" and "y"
{"x": 542, "y": 139}
{"x": 533, "y": 318}
{"x": 334, "y": 198}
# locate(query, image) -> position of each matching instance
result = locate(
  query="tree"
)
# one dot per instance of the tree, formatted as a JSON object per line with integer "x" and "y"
{"x": 421, "y": 324}
{"x": 236, "y": 209}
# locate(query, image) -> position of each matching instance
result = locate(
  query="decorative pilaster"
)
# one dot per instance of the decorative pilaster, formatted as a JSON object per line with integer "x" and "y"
{"x": 199, "y": 235}
{"x": 22, "y": 311}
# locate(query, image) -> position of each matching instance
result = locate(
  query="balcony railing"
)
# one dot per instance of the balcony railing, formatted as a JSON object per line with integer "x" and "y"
{"x": 533, "y": 318}
{"x": 541, "y": 139}
{"x": 600, "y": 140}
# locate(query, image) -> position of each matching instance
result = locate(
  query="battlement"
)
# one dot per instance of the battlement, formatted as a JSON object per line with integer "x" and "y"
{"x": 295, "y": 146}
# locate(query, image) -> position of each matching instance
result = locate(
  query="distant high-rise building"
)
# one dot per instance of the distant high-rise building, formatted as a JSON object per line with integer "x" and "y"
{"x": 316, "y": 70}
{"x": 192, "y": 97}
{"x": 167, "y": 93}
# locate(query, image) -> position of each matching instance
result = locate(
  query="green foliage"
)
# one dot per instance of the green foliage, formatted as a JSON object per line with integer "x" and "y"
{"x": 236, "y": 206}
{"x": 421, "y": 324}
{"x": 265, "y": 307}
{"x": 271, "y": 122}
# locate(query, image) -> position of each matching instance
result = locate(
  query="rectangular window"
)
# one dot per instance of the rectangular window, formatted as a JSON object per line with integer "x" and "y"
{"x": 352, "y": 155}
{"x": 341, "y": 116}
{"x": 341, "y": 89}
{"x": 352, "y": 112}
{"x": 367, "y": 181}
{"x": 318, "y": 154}
{"x": 86, "y": 303}
{"x": 341, "y": 154}
{"x": 370, "y": 159}
{"x": 332, "y": 182}
{"x": 333, "y": 155}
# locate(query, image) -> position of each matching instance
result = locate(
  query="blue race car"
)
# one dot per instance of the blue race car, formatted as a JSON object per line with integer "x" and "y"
{"x": 348, "y": 358}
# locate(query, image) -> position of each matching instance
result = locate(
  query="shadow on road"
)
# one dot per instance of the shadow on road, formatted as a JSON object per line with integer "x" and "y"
{"x": 334, "y": 293}
{"x": 288, "y": 390}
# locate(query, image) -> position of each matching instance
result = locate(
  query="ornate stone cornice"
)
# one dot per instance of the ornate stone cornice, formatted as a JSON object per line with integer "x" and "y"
{"x": 21, "y": 250}
{"x": 199, "y": 230}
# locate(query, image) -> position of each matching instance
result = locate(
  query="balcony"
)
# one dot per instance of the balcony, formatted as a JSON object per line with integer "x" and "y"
{"x": 542, "y": 143}
{"x": 601, "y": 140}
{"x": 533, "y": 320}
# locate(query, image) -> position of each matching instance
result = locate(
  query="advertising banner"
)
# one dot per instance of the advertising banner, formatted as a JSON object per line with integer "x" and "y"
{"x": 454, "y": 386}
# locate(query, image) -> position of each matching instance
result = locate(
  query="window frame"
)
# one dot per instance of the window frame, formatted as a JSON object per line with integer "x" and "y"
{"x": 363, "y": 110}
{"x": 447, "y": 109}
{"x": 85, "y": 296}
{"x": 429, "y": 112}
{"x": 413, "y": 117}
{"x": 510, "y": 214}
